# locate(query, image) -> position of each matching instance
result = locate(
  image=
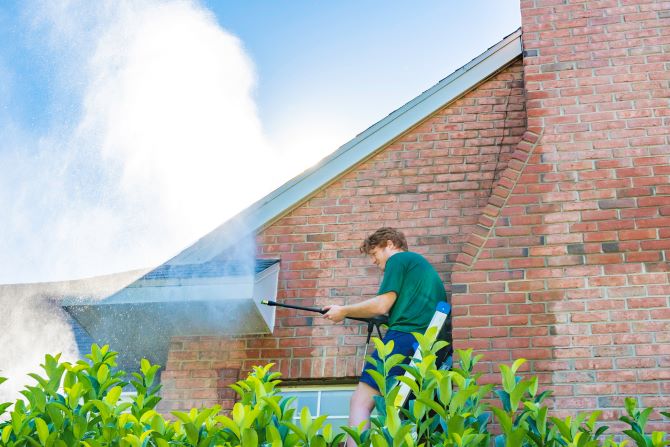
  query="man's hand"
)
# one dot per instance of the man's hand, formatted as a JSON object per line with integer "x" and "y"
{"x": 335, "y": 313}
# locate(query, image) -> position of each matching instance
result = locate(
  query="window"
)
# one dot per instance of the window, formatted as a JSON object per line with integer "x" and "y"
{"x": 330, "y": 400}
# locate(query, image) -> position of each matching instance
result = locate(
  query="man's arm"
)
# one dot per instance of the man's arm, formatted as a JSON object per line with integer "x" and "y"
{"x": 373, "y": 307}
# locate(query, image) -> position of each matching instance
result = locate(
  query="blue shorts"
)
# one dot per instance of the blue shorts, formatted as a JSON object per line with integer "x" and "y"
{"x": 403, "y": 343}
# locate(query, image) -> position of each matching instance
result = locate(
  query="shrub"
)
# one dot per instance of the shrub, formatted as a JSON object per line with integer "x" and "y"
{"x": 81, "y": 404}
{"x": 451, "y": 409}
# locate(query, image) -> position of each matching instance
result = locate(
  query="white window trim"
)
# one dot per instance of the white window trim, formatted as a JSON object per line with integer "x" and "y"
{"x": 319, "y": 389}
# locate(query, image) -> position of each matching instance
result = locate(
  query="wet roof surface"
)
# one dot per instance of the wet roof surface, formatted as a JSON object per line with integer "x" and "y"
{"x": 211, "y": 269}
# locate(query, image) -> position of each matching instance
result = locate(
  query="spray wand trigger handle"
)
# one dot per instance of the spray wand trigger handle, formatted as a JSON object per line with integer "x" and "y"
{"x": 371, "y": 327}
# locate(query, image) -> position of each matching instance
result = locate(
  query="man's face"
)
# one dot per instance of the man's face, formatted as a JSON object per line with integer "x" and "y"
{"x": 381, "y": 253}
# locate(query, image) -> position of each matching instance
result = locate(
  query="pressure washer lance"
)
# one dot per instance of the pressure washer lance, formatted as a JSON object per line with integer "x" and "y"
{"x": 373, "y": 322}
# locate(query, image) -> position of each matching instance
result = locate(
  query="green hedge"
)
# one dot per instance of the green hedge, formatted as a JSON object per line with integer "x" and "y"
{"x": 80, "y": 405}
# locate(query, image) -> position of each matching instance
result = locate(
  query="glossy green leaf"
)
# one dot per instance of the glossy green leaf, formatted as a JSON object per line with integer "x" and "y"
{"x": 6, "y": 433}
{"x": 192, "y": 433}
{"x": 103, "y": 373}
{"x": 383, "y": 350}
{"x": 184, "y": 417}
{"x": 132, "y": 440}
{"x": 273, "y": 436}
{"x": 42, "y": 430}
{"x": 4, "y": 406}
{"x": 379, "y": 379}
{"x": 378, "y": 440}
{"x": 229, "y": 424}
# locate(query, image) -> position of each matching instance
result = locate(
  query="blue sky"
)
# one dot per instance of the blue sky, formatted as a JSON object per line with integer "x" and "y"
{"x": 363, "y": 58}
{"x": 131, "y": 128}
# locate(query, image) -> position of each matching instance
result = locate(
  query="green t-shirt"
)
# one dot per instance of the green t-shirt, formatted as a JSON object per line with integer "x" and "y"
{"x": 418, "y": 288}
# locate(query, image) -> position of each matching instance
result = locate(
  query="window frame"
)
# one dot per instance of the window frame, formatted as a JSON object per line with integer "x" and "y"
{"x": 320, "y": 389}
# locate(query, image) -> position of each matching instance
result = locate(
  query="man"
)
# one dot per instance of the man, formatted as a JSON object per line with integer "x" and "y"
{"x": 409, "y": 293}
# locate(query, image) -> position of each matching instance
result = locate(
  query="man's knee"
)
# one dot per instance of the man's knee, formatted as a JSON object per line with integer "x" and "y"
{"x": 363, "y": 397}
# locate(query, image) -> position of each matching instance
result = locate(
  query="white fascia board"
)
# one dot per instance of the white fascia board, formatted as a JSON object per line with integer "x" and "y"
{"x": 295, "y": 191}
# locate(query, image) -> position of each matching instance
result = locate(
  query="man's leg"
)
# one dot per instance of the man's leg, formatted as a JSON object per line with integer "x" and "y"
{"x": 362, "y": 401}
{"x": 361, "y": 405}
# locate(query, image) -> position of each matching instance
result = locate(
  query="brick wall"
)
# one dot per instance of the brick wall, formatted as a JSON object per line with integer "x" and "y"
{"x": 432, "y": 182}
{"x": 569, "y": 267}
{"x": 199, "y": 371}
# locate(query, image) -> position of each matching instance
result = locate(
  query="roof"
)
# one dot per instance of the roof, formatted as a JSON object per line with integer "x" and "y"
{"x": 214, "y": 268}
{"x": 218, "y": 297}
{"x": 294, "y": 192}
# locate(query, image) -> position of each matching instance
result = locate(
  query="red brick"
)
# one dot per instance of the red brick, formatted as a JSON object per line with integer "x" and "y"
{"x": 653, "y": 350}
{"x": 526, "y": 285}
{"x": 615, "y": 376}
{"x": 609, "y": 328}
{"x": 510, "y": 320}
{"x": 654, "y": 374}
{"x": 608, "y": 281}
{"x": 488, "y": 310}
{"x": 471, "y": 322}
{"x": 631, "y": 339}
{"x": 637, "y": 388}
{"x": 527, "y": 331}
{"x": 636, "y": 363}
{"x": 591, "y": 340}
{"x": 590, "y": 317}
{"x": 600, "y": 389}
{"x": 510, "y": 343}
{"x": 637, "y": 234}
{"x": 593, "y": 364}
{"x": 572, "y": 353}
{"x": 551, "y": 341}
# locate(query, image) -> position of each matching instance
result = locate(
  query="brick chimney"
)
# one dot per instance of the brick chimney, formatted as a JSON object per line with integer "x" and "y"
{"x": 593, "y": 201}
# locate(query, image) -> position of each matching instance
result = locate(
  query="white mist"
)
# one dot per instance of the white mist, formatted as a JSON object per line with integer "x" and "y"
{"x": 167, "y": 146}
